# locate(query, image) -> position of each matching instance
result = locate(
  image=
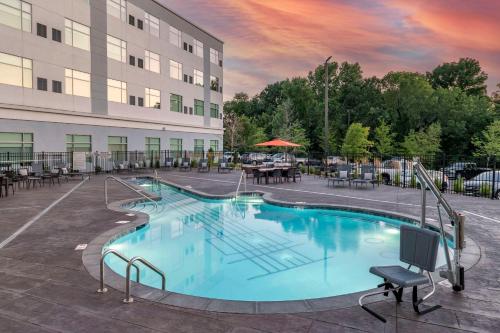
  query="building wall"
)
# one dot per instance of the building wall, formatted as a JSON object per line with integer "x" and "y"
{"x": 42, "y": 110}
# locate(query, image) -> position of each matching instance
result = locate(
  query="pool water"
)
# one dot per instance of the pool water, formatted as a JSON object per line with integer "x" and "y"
{"x": 246, "y": 249}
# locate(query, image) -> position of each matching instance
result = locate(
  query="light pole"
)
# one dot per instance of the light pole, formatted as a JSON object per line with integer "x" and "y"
{"x": 326, "y": 106}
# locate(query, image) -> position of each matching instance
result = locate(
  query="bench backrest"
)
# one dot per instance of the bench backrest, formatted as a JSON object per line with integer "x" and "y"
{"x": 419, "y": 247}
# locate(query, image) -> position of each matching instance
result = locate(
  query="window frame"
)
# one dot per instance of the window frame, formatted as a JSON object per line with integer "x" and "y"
{"x": 175, "y": 70}
{"x": 26, "y": 146}
{"x": 116, "y": 44}
{"x": 148, "y": 94}
{"x": 23, "y": 66}
{"x": 176, "y": 101}
{"x": 114, "y": 85}
{"x": 78, "y": 78}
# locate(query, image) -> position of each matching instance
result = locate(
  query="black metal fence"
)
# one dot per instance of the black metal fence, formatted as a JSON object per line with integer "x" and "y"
{"x": 468, "y": 175}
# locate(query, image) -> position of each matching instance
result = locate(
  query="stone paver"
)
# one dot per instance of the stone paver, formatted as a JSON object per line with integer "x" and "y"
{"x": 45, "y": 288}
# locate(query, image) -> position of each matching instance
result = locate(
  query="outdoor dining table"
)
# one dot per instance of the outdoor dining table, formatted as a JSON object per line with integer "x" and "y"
{"x": 269, "y": 170}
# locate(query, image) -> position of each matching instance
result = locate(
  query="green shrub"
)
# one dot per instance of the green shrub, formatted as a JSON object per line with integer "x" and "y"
{"x": 458, "y": 185}
{"x": 438, "y": 183}
{"x": 194, "y": 163}
{"x": 302, "y": 169}
{"x": 413, "y": 181}
{"x": 176, "y": 163}
{"x": 397, "y": 179}
{"x": 485, "y": 190}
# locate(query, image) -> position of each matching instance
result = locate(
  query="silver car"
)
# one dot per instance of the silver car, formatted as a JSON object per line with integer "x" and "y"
{"x": 484, "y": 185}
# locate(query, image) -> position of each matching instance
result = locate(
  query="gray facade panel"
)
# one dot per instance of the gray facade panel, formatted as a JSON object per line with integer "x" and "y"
{"x": 51, "y": 137}
{"x": 99, "y": 60}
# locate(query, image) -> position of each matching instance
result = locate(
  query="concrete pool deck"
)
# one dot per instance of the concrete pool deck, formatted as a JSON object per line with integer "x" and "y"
{"x": 45, "y": 288}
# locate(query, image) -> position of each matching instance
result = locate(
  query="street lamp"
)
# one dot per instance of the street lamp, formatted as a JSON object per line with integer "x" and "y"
{"x": 326, "y": 105}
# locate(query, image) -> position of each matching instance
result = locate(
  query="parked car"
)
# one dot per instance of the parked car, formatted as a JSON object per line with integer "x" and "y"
{"x": 282, "y": 158}
{"x": 483, "y": 185}
{"x": 253, "y": 158}
{"x": 400, "y": 172}
{"x": 230, "y": 156}
{"x": 465, "y": 170}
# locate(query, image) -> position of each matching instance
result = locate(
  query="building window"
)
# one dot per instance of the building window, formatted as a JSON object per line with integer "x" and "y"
{"x": 140, "y": 101}
{"x": 41, "y": 84}
{"x": 78, "y": 143}
{"x": 214, "y": 83}
{"x": 56, "y": 35}
{"x": 140, "y": 62}
{"x": 16, "y": 14}
{"x": 131, "y": 60}
{"x": 117, "y": 143}
{"x": 175, "y": 103}
{"x": 152, "y": 144}
{"x": 198, "y": 78}
{"x": 118, "y": 9}
{"x": 16, "y": 142}
{"x": 175, "y": 37}
{"x": 199, "y": 107}
{"x": 16, "y": 71}
{"x": 152, "y": 61}
{"x": 41, "y": 30}
{"x": 176, "y": 145}
{"x": 214, "y": 56}
{"x": 131, "y": 20}
{"x": 199, "y": 145}
{"x": 77, "y": 35}
{"x": 153, "y": 98}
{"x": 214, "y": 110}
{"x": 76, "y": 83}
{"x": 117, "y": 91}
{"x": 214, "y": 145}
{"x": 140, "y": 24}
{"x": 153, "y": 24}
{"x": 175, "y": 70}
{"x": 117, "y": 49}
{"x": 132, "y": 100}
{"x": 198, "y": 48}
{"x": 57, "y": 86}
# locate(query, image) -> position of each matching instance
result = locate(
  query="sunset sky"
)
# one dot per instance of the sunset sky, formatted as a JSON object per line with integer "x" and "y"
{"x": 270, "y": 40}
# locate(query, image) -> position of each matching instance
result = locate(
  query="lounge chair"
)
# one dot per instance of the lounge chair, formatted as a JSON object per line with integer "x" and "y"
{"x": 418, "y": 247}
{"x": 203, "y": 166}
{"x": 6, "y": 182}
{"x": 22, "y": 175}
{"x": 169, "y": 163}
{"x": 185, "y": 165}
{"x": 224, "y": 167}
{"x": 367, "y": 176}
{"x": 139, "y": 166}
{"x": 342, "y": 177}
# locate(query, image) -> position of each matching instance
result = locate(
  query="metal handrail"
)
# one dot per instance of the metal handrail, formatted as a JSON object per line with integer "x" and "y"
{"x": 120, "y": 181}
{"x": 129, "y": 299}
{"x": 243, "y": 176}
{"x": 102, "y": 289}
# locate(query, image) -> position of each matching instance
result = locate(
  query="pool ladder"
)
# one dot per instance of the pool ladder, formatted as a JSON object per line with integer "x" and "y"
{"x": 130, "y": 262}
{"x": 122, "y": 182}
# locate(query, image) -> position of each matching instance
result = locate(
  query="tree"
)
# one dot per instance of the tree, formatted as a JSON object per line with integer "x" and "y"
{"x": 287, "y": 129}
{"x": 466, "y": 74}
{"x": 384, "y": 139}
{"x": 423, "y": 142}
{"x": 356, "y": 140}
{"x": 488, "y": 143}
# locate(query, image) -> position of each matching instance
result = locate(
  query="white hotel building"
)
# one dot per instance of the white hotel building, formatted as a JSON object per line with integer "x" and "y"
{"x": 106, "y": 75}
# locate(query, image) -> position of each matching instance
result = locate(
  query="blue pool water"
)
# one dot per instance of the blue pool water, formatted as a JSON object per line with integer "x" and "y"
{"x": 245, "y": 249}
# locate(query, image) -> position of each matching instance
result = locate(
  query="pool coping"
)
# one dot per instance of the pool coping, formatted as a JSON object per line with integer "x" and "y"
{"x": 92, "y": 254}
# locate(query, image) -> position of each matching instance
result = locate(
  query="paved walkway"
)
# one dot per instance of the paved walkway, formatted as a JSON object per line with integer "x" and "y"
{"x": 44, "y": 287}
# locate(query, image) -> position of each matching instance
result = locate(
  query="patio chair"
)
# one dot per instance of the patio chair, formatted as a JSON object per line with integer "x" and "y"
{"x": 257, "y": 175}
{"x": 169, "y": 163}
{"x": 55, "y": 174}
{"x": 367, "y": 176}
{"x": 224, "y": 167}
{"x": 139, "y": 166}
{"x": 278, "y": 176}
{"x": 185, "y": 165}
{"x": 342, "y": 177}
{"x": 203, "y": 166}
{"x": 6, "y": 183}
{"x": 22, "y": 175}
{"x": 418, "y": 247}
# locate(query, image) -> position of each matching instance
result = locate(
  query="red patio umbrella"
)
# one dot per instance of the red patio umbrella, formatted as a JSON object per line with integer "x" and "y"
{"x": 278, "y": 143}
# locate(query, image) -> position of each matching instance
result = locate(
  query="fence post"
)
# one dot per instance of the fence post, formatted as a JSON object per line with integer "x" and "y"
{"x": 493, "y": 180}
{"x": 404, "y": 172}
{"x": 442, "y": 172}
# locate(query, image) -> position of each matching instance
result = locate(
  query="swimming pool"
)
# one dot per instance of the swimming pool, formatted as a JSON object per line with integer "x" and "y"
{"x": 249, "y": 250}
